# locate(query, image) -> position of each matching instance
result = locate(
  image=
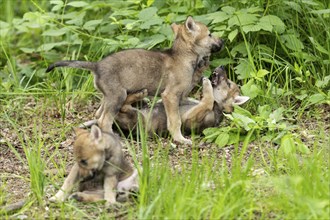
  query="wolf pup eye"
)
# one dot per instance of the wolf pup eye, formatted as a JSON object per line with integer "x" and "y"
{"x": 83, "y": 162}
{"x": 210, "y": 35}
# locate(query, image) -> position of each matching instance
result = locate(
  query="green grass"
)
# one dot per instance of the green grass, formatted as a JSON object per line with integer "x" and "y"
{"x": 184, "y": 182}
{"x": 274, "y": 167}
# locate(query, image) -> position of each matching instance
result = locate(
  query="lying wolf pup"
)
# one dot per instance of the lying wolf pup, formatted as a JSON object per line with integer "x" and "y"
{"x": 100, "y": 169}
{"x": 218, "y": 97}
{"x": 170, "y": 72}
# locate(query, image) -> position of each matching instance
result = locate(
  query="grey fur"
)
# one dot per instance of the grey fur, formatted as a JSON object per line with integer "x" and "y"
{"x": 169, "y": 72}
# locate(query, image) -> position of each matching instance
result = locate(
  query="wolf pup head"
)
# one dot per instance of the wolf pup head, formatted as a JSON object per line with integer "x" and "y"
{"x": 226, "y": 93}
{"x": 89, "y": 151}
{"x": 195, "y": 36}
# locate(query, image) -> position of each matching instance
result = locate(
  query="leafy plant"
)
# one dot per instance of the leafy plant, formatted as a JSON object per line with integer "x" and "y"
{"x": 268, "y": 126}
{"x": 277, "y": 50}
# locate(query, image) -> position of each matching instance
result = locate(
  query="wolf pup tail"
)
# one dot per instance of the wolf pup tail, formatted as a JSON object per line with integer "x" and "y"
{"x": 75, "y": 64}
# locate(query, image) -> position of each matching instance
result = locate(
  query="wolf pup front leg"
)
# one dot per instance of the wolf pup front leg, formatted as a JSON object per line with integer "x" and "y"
{"x": 127, "y": 71}
{"x": 68, "y": 185}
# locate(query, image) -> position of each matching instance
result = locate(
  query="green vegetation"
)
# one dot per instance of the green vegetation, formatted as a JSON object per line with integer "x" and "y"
{"x": 268, "y": 160}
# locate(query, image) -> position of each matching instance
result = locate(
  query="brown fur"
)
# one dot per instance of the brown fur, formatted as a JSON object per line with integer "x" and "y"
{"x": 169, "y": 72}
{"x": 100, "y": 168}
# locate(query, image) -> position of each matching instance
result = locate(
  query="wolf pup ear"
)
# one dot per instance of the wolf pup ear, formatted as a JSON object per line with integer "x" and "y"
{"x": 239, "y": 100}
{"x": 96, "y": 133}
{"x": 175, "y": 29}
{"x": 190, "y": 24}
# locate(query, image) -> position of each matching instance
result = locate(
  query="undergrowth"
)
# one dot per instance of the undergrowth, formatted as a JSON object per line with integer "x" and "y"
{"x": 270, "y": 159}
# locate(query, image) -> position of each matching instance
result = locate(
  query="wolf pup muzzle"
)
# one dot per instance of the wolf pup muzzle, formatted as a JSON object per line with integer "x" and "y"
{"x": 218, "y": 74}
{"x": 218, "y": 46}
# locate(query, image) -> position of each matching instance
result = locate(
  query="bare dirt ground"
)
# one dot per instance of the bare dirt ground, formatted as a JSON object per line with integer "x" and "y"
{"x": 14, "y": 183}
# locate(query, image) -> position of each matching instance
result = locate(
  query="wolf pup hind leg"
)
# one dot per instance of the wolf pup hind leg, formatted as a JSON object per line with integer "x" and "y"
{"x": 169, "y": 72}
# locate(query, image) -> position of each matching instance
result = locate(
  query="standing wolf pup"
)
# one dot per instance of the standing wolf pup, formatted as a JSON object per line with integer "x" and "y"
{"x": 100, "y": 169}
{"x": 170, "y": 72}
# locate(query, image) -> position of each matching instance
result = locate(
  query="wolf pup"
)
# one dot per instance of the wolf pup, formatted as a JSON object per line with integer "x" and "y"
{"x": 218, "y": 96}
{"x": 170, "y": 72}
{"x": 100, "y": 169}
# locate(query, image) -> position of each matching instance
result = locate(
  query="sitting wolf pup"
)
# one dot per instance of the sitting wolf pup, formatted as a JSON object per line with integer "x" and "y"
{"x": 100, "y": 169}
{"x": 218, "y": 97}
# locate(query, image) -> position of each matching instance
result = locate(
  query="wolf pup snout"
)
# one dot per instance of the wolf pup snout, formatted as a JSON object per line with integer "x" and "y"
{"x": 218, "y": 75}
{"x": 217, "y": 46}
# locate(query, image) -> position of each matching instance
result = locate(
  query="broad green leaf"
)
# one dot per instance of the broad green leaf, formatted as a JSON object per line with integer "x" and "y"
{"x": 276, "y": 115}
{"x": 148, "y": 13}
{"x": 228, "y": 9}
{"x": 222, "y": 139}
{"x": 251, "y": 28}
{"x": 78, "y": 19}
{"x": 78, "y": 4}
{"x": 150, "y": 2}
{"x": 301, "y": 147}
{"x": 220, "y": 28}
{"x": 232, "y": 35}
{"x": 242, "y": 111}
{"x": 70, "y": 15}
{"x": 292, "y": 42}
{"x": 301, "y": 96}
{"x": 6, "y": 85}
{"x": 133, "y": 41}
{"x": 55, "y": 32}
{"x": 243, "y": 121}
{"x": 152, "y": 41}
{"x": 5, "y": 27}
{"x": 124, "y": 12}
{"x": 242, "y": 19}
{"x": 251, "y": 89}
{"x": 253, "y": 10}
{"x": 243, "y": 69}
{"x": 261, "y": 73}
{"x": 233, "y": 138}
{"x": 91, "y": 25}
{"x": 211, "y": 133}
{"x": 36, "y": 20}
{"x": 153, "y": 21}
{"x": 287, "y": 144}
{"x": 275, "y": 21}
{"x": 264, "y": 111}
{"x": 49, "y": 46}
{"x": 240, "y": 48}
{"x": 218, "y": 17}
{"x": 27, "y": 50}
{"x": 223, "y": 61}
{"x": 265, "y": 25}
{"x": 130, "y": 24}
{"x": 316, "y": 98}
{"x": 323, "y": 83}
{"x": 58, "y": 5}
{"x": 56, "y": 2}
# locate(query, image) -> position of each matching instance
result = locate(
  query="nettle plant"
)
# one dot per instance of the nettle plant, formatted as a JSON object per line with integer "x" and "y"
{"x": 272, "y": 54}
{"x": 247, "y": 30}
{"x": 266, "y": 125}
{"x": 87, "y": 30}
